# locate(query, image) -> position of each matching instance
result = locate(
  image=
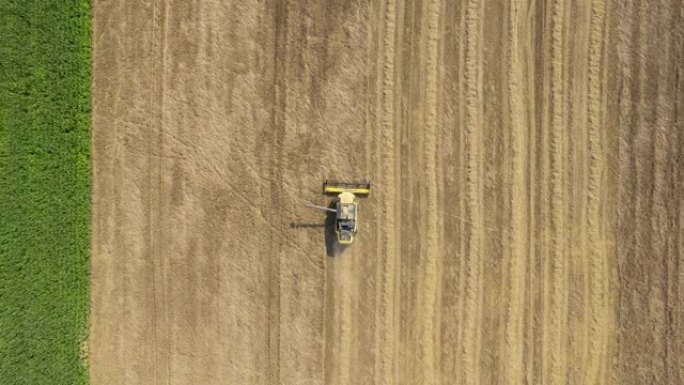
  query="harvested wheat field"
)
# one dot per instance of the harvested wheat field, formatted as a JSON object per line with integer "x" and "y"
{"x": 526, "y": 219}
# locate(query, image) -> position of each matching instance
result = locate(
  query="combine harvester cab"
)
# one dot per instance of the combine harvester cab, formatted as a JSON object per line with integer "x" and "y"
{"x": 345, "y": 217}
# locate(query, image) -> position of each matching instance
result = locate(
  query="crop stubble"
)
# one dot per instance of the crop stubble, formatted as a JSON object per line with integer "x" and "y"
{"x": 525, "y": 221}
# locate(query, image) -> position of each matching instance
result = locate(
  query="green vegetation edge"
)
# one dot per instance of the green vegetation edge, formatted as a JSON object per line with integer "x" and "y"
{"x": 45, "y": 184}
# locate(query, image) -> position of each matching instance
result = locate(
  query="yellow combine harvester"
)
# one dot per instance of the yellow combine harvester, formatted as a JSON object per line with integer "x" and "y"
{"x": 345, "y": 207}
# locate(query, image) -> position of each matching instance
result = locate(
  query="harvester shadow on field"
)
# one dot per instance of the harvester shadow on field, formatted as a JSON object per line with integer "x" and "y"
{"x": 332, "y": 247}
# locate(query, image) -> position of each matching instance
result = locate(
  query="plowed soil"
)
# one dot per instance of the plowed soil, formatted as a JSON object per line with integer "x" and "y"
{"x": 526, "y": 219}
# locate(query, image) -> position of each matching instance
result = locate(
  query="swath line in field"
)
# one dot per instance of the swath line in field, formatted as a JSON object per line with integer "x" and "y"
{"x": 623, "y": 13}
{"x": 519, "y": 248}
{"x": 661, "y": 202}
{"x": 555, "y": 304}
{"x": 598, "y": 334}
{"x": 470, "y": 343}
{"x": 676, "y": 266}
{"x": 388, "y": 264}
{"x": 430, "y": 250}
{"x": 643, "y": 340}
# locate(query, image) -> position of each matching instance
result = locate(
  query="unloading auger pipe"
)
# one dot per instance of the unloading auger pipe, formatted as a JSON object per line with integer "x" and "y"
{"x": 321, "y": 208}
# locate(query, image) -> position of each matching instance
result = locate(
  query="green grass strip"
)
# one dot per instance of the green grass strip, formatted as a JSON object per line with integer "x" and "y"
{"x": 45, "y": 64}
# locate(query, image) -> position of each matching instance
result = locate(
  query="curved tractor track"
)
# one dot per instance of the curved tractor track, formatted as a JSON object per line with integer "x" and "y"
{"x": 525, "y": 224}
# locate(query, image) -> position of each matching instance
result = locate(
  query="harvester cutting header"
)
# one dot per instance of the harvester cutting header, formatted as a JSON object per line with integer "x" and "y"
{"x": 345, "y": 206}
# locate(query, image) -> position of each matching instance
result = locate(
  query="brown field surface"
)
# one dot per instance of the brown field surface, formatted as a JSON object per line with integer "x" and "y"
{"x": 526, "y": 220}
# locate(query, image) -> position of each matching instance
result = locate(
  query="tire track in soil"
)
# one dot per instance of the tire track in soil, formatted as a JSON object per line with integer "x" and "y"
{"x": 408, "y": 122}
{"x": 155, "y": 198}
{"x": 274, "y": 169}
{"x": 339, "y": 339}
{"x": 431, "y": 252}
{"x": 450, "y": 147}
{"x": 537, "y": 171}
{"x": 649, "y": 193}
{"x": 662, "y": 200}
{"x": 513, "y": 347}
{"x": 496, "y": 159}
{"x": 623, "y": 24}
{"x": 675, "y": 266}
{"x": 643, "y": 146}
{"x": 555, "y": 280}
{"x": 599, "y": 335}
{"x": 469, "y": 347}
{"x": 641, "y": 334}
{"x": 577, "y": 249}
{"x": 387, "y": 248}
